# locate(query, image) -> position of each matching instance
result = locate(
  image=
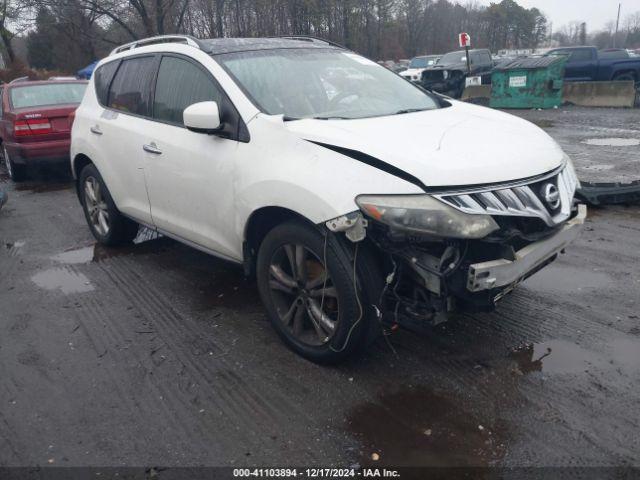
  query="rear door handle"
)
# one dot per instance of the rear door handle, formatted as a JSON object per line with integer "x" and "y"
{"x": 96, "y": 129}
{"x": 152, "y": 148}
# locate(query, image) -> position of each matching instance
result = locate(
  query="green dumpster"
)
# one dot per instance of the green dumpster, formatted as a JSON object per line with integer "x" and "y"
{"x": 528, "y": 83}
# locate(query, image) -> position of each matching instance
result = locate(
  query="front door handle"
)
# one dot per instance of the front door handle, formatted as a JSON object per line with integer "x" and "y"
{"x": 96, "y": 129}
{"x": 152, "y": 148}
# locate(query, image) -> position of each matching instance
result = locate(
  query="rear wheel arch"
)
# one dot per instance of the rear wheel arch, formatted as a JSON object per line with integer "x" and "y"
{"x": 79, "y": 162}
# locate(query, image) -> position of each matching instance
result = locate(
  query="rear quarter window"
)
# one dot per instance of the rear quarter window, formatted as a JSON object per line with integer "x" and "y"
{"x": 130, "y": 90}
{"x": 102, "y": 79}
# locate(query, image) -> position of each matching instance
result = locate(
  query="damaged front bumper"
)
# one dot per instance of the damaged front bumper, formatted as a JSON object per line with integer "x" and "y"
{"x": 504, "y": 273}
{"x": 429, "y": 279}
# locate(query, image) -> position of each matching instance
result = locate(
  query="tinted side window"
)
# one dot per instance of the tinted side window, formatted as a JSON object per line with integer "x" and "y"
{"x": 614, "y": 54}
{"x": 180, "y": 84}
{"x": 131, "y": 88}
{"x": 103, "y": 76}
{"x": 580, "y": 55}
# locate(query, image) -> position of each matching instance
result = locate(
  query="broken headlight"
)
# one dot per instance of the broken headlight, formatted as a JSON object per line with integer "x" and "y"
{"x": 424, "y": 214}
{"x": 572, "y": 171}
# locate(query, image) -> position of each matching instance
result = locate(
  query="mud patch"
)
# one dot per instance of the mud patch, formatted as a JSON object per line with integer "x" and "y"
{"x": 612, "y": 142}
{"x": 563, "y": 357}
{"x": 598, "y": 168}
{"x": 561, "y": 279}
{"x": 42, "y": 187}
{"x": 227, "y": 288}
{"x": 419, "y": 427}
{"x": 64, "y": 280}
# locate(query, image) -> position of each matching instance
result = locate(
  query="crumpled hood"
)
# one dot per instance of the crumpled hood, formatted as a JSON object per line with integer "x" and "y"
{"x": 459, "y": 145}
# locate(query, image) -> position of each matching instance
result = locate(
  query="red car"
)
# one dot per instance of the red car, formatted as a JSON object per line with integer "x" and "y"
{"x": 35, "y": 123}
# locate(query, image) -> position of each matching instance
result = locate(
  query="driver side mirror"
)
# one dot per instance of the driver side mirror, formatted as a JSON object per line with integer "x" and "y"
{"x": 202, "y": 117}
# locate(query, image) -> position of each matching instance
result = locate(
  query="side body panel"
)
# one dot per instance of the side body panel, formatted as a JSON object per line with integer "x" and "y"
{"x": 190, "y": 185}
{"x": 116, "y": 152}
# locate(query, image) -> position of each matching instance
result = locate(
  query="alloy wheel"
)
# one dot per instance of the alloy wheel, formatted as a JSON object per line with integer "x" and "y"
{"x": 306, "y": 299}
{"x": 96, "y": 206}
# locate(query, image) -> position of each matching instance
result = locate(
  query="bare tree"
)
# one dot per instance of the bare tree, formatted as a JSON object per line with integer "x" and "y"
{"x": 380, "y": 29}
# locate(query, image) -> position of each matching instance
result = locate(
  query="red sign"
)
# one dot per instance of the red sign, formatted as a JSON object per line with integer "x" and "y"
{"x": 464, "y": 39}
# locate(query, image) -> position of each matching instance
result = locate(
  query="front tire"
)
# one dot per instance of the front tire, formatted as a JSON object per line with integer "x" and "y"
{"x": 107, "y": 224}
{"x": 16, "y": 172}
{"x": 306, "y": 282}
{"x": 629, "y": 76}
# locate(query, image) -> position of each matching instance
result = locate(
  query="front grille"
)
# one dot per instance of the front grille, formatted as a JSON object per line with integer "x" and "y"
{"x": 526, "y": 200}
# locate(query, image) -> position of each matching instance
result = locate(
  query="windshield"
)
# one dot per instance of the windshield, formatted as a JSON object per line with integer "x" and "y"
{"x": 41, "y": 95}
{"x": 557, "y": 53}
{"x": 453, "y": 58}
{"x": 422, "y": 62}
{"x": 322, "y": 83}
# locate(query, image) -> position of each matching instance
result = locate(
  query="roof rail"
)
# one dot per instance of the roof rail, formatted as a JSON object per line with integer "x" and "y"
{"x": 19, "y": 79}
{"x": 186, "y": 39}
{"x": 311, "y": 38}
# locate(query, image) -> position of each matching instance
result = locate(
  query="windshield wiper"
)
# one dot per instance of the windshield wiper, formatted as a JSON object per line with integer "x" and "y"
{"x": 410, "y": 110}
{"x": 289, "y": 119}
{"x": 332, "y": 118}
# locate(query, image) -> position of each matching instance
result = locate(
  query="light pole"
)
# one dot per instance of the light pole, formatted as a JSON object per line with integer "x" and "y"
{"x": 615, "y": 36}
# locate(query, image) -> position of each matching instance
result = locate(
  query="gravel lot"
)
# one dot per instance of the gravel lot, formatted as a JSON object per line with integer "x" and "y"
{"x": 157, "y": 354}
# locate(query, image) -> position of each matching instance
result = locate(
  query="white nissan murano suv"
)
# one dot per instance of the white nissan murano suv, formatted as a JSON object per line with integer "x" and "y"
{"x": 357, "y": 200}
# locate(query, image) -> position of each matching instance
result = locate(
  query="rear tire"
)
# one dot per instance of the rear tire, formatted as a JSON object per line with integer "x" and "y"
{"x": 318, "y": 310}
{"x": 107, "y": 224}
{"x": 16, "y": 172}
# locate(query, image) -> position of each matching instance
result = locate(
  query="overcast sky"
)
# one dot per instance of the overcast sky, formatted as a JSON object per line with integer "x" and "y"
{"x": 595, "y": 12}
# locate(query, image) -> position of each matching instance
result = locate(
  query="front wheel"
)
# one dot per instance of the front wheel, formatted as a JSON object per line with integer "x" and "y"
{"x": 107, "y": 224}
{"x": 312, "y": 292}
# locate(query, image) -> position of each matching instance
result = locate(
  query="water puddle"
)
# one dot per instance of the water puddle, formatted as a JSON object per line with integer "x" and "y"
{"x": 64, "y": 280}
{"x": 226, "y": 288}
{"x": 419, "y": 427}
{"x": 560, "y": 357}
{"x": 147, "y": 241}
{"x": 612, "y": 142}
{"x": 560, "y": 279}
{"x": 72, "y": 257}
